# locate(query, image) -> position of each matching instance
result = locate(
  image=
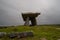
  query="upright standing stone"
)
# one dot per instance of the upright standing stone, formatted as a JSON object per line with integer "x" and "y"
{"x": 27, "y": 21}
{"x": 33, "y": 21}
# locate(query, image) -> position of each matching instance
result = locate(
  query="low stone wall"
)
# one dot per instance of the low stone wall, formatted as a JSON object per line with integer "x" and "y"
{"x": 16, "y": 34}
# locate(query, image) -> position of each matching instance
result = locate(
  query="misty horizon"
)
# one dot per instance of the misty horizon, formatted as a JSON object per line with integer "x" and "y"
{"x": 11, "y": 10}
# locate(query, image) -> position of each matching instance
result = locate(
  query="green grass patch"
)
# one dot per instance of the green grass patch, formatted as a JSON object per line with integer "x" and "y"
{"x": 49, "y": 32}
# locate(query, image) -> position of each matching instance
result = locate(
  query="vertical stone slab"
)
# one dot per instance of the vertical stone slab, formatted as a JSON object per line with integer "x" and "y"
{"x": 27, "y": 21}
{"x": 33, "y": 21}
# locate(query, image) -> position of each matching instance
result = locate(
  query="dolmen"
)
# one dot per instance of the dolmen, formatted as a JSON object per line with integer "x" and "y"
{"x": 30, "y": 16}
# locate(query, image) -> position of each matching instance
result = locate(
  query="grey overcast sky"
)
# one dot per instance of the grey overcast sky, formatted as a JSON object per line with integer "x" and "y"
{"x": 10, "y": 11}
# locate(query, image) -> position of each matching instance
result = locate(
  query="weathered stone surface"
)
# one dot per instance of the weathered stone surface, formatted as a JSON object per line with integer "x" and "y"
{"x": 25, "y": 15}
{"x": 27, "y": 21}
{"x": 25, "y": 34}
{"x": 16, "y": 34}
{"x": 2, "y": 34}
{"x": 32, "y": 18}
{"x": 20, "y": 35}
{"x": 12, "y": 35}
{"x": 33, "y": 21}
{"x": 30, "y": 34}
